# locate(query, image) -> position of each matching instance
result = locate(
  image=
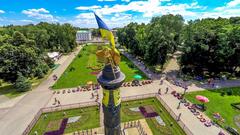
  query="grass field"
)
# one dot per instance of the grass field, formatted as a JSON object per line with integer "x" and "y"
{"x": 220, "y": 104}
{"x": 128, "y": 115}
{"x": 8, "y": 90}
{"x": 89, "y": 119}
{"x": 78, "y": 72}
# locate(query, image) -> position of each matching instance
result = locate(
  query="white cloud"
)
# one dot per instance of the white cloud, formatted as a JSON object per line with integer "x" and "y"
{"x": 121, "y": 17}
{"x": 106, "y": 0}
{"x": 230, "y": 9}
{"x": 40, "y": 10}
{"x": 27, "y": 21}
{"x": 150, "y": 8}
{"x": 233, "y": 3}
{"x": 87, "y": 8}
{"x": 116, "y": 14}
{"x": 2, "y": 12}
{"x": 40, "y": 14}
{"x": 85, "y": 16}
{"x": 125, "y": 0}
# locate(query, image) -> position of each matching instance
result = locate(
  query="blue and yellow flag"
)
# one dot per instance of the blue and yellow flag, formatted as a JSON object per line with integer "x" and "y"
{"x": 105, "y": 31}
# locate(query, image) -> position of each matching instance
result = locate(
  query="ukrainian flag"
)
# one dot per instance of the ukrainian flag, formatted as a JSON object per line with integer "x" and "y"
{"x": 105, "y": 31}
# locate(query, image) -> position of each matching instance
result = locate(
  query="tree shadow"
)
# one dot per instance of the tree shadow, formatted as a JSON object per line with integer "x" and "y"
{"x": 9, "y": 91}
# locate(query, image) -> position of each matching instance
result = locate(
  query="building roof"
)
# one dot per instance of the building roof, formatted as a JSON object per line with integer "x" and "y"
{"x": 83, "y": 31}
{"x": 52, "y": 54}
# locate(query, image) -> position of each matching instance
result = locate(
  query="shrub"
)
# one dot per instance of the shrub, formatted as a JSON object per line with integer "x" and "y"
{"x": 49, "y": 62}
{"x": 131, "y": 65}
{"x": 1, "y": 82}
{"x": 229, "y": 92}
{"x": 22, "y": 84}
{"x": 222, "y": 93}
{"x": 40, "y": 74}
{"x": 238, "y": 93}
{"x": 72, "y": 68}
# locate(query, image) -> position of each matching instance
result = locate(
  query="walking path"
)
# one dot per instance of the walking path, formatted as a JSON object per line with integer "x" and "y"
{"x": 172, "y": 68}
{"x": 187, "y": 117}
{"x": 16, "y": 119}
{"x": 142, "y": 67}
{"x": 3, "y": 98}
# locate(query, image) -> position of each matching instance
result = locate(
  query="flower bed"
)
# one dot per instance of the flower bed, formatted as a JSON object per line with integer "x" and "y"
{"x": 146, "y": 113}
{"x": 60, "y": 131}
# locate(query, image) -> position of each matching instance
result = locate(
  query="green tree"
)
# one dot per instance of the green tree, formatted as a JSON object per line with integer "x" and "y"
{"x": 22, "y": 84}
{"x": 18, "y": 39}
{"x": 210, "y": 47}
{"x": 14, "y": 59}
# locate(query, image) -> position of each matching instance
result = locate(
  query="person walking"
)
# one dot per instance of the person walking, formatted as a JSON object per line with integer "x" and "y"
{"x": 159, "y": 91}
{"x": 166, "y": 90}
{"x": 161, "y": 82}
{"x": 179, "y": 116}
{"x": 179, "y": 105}
{"x": 59, "y": 103}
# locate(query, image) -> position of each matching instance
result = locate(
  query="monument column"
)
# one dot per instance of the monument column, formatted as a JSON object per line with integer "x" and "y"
{"x": 111, "y": 78}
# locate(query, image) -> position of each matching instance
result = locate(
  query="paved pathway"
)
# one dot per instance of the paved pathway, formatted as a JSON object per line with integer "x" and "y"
{"x": 15, "y": 121}
{"x": 187, "y": 117}
{"x": 18, "y": 117}
{"x": 142, "y": 67}
{"x": 3, "y": 98}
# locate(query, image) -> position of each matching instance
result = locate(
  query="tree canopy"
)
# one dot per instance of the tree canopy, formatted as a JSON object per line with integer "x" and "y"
{"x": 23, "y": 48}
{"x": 154, "y": 40}
{"x": 209, "y": 46}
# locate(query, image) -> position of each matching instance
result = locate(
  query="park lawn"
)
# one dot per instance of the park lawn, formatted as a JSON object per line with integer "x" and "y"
{"x": 220, "y": 104}
{"x": 77, "y": 72}
{"x": 8, "y": 90}
{"x": 128, "y": 115}
{"x": 89, "y": 119}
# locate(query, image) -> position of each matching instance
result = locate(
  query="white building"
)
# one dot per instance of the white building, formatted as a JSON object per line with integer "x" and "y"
{"x": 83, "y": 35}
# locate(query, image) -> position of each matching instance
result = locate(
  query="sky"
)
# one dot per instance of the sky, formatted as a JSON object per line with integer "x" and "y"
{"x": 115, "y": 13}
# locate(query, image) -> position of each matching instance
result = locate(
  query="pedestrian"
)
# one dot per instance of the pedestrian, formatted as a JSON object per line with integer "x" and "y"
{"x": 159, "y": 91}
{"x": 166, "y": 90}
{"x": 185, "y": 89}
{"x": 179, "y": 116}
{"x": 179, "y": 105}
{"x": 55, "y": 100}
{"x": 209, "y": 81}
{"x": 58, "y": 102}
{"x": 92, "y": 95}
{"x": 213, "y": 85}
{"x": 161, "y": 82}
